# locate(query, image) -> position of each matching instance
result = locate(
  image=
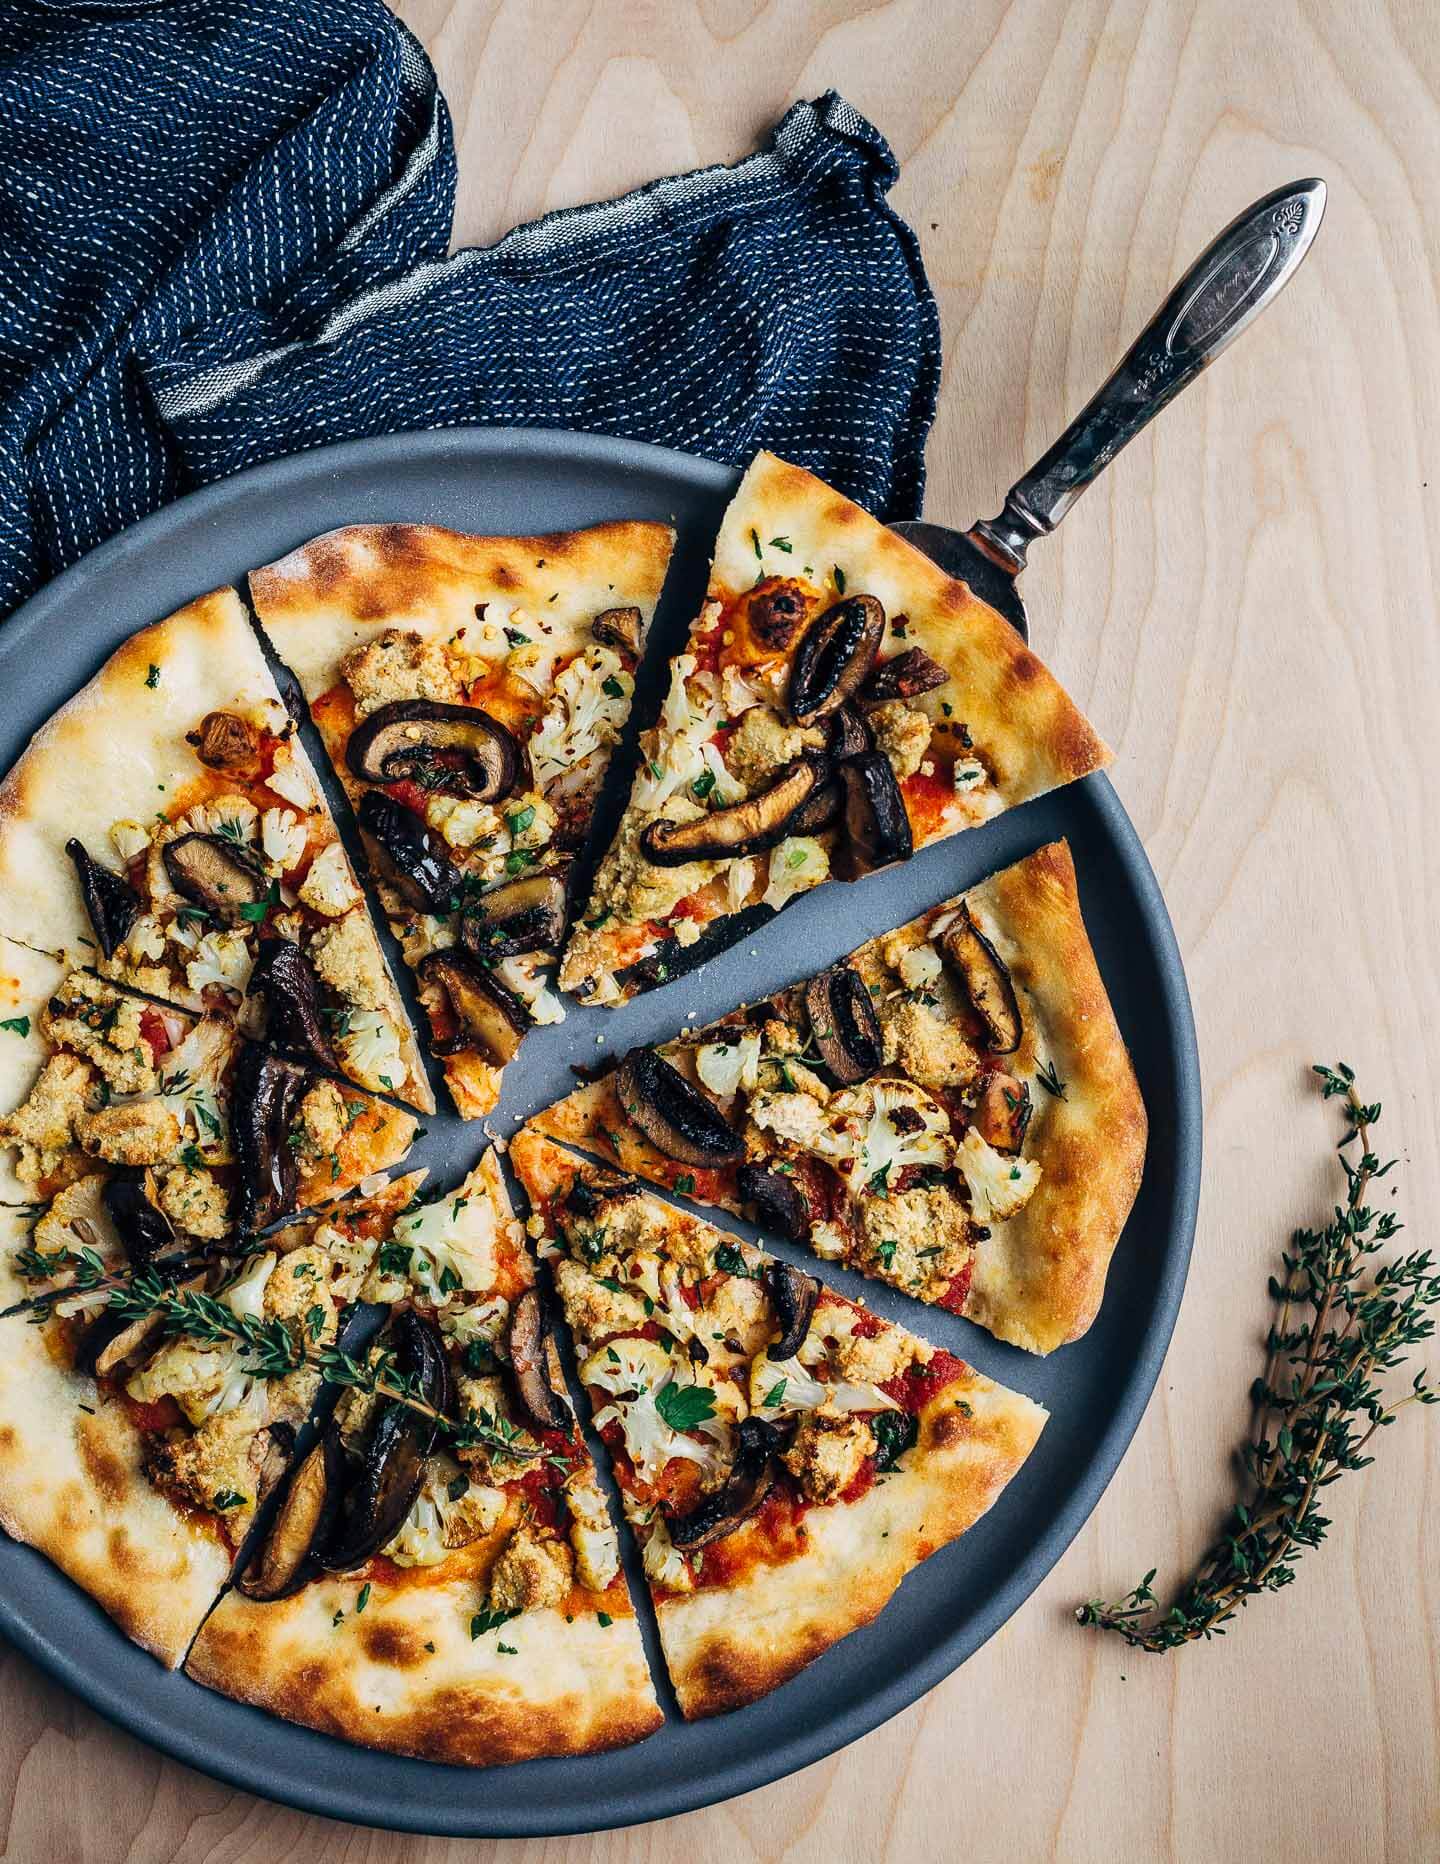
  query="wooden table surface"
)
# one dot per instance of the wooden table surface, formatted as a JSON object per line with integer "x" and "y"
{"x": 1245, "y": 607}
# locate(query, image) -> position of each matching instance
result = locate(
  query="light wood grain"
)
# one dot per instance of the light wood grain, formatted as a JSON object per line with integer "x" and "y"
{"x": 1246, "y": 607}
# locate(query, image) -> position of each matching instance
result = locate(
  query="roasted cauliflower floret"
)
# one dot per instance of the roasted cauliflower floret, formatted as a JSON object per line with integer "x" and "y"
{"x": 483, "y": 1399}
{"x": 871, "y": 1360}
{"x": 592, "y": 1533}
{"x": 737, "y": 1310}
{"x": 925, "y": 1047}
{"x": 903, "y": 733}
{"x": 919, "y": 1240}
{"x": 86, "y": 1015}
{"x": 828, "y": 1453}
{"x": 346, "y": 958}
{"x": 218, "y": 1463}
{"x": 329, "y": 887}
{"x": 141, "y": 1132}
{"x": 322, "y": 1118}
{"x": 194, "y": 1201}
{"x": 762, "y": 742}
{"x": 299, "y": 1282}
{"x": 534, "y": 1570}
{"x": 592, "y": 1309}
{"x": 43, "y": 1125}
{"x": 398, "y": 664}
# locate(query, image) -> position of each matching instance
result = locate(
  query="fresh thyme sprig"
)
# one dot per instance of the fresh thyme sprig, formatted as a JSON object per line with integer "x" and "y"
{"x": 273, "y": 1349}
{"x": 1321, "y": 1394}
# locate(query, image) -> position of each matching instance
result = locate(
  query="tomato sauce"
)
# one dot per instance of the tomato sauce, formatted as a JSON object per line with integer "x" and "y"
{"x": 161, "y": 1414}
{"x": 861, "y": 1483}
{"x": 154, "y": 1033}
{"x": 929, "y": 800}
{"x": 954, "y": 1297}
{"x": 915, "y": 1388}
{"x": 774, "y": 1535}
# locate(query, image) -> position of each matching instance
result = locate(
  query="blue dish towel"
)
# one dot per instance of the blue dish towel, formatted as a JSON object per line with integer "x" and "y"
{"x": 223, "y": 229}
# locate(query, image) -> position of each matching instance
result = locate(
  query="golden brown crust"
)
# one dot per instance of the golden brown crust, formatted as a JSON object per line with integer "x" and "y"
{"x": 1039, "y": 1277}
{"x": 371, "y": 1678}
{"x": 728, "y": 1645}
{"x": 118, "y": 750}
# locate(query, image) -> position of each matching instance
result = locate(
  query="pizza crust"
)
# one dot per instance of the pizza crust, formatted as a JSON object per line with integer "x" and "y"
{"x": 569, "y": 1689}
{"x": 117, "y": 751}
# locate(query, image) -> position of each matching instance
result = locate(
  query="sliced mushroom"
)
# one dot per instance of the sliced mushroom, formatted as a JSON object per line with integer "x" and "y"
{"x": 535, "y": 1362}
{"x": 747, "y": 827}
{"x": 457, "y": 749}
{"x": 618, "y": 628}
{"x": 849, "y": 734}
{"x": 265, "y": 1092}
{"x": 775, "y": 613}
{"x": 406, "y": 854}
{"x": 749, "y": 1482}
{"x": 490, "y": 1018}
{"x": 393, "y": 1466}
{"x": 987, "y": 982}
{"x": 794, "y": 1294}
{"x": 110, "y": 1339}
{"x": 877, "y": 829}
{"x": 302, "y": 1524}
{"x": 672, "y": 1114}
{"x": 819, "y": 811}
{"x": 905, "y": 677}
{"x": 284, "y": 978}
{"x": 834, "y": 656}
{"x": 670, "y": 959}
{"x": 524, "y": 915}
{"x": 215, "y": 873}
{"x": 111, "y": 902}
{"x": 144, "y": 1231}
{"x": 776, "y": 1200}
{"x": 225, "y": 740}
{"x": 844, "y": 1024}
{"x": 1002, "y": 1113}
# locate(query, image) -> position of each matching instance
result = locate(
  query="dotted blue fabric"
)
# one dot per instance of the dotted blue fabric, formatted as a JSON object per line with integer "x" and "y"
{"x": 223, "y": 229}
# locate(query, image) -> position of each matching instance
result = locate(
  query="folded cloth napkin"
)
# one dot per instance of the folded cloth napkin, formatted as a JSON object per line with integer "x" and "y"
{"x": 223, "y": 228}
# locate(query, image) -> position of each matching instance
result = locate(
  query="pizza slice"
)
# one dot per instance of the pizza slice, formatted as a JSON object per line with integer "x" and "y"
{"x": 951, "y": 1110}
{"x": 441, "y": 1576}
{"x": 841, "y": 703}
{"x": 103, "y": 1088}
{"x": 166, "y": 828}
{"x": 136, "y": 1428}
{"x": 784, "y": 1456}
{"x": 469, "y": 691}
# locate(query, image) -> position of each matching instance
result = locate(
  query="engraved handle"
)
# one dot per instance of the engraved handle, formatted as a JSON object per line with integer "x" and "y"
{"x": 1228, "y": 286}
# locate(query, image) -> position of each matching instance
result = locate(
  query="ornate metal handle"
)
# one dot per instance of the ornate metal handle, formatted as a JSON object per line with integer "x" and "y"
{"x": 1225, "y": 290}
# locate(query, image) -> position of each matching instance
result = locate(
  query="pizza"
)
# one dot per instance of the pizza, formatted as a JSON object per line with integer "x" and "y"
{"x": 841, "y": 703}
{"x": 452, "y": 1592}
{"x": 166, "y": 828}
{"x": 469, "y": 691}
{"x": 951, "y": 1110}
{"x": 103, "y": 1087}
{"x": 784, "y": 1456}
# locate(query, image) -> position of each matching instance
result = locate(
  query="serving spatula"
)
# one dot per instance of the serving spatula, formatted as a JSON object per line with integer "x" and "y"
{"x": 1228, "y": 286}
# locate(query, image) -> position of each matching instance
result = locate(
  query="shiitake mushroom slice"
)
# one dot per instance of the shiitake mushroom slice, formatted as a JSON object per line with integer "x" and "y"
{"x": 144, "y": 1231}
{"x": 457, "y": 749}
{"x": 489, "y": 1018}
{"x": 404, "y": 852}
{"x": 618, "y": 628}
{"x": 987, "y": 982}
{"x": 877, "y": 829}
{"x": 302, "y": 1523}
{"x": 523, "y": 915}
{"x": 535, "y": 1362}
{"x": 265, "y": 1093}
{"x": 794, "y": 1294}
{"x": 215, "y": 873}
{"x": 906, "y": 676}
{"x": 111, "y": 902}
{"x": 835, "y": 654}
{"x": 844, "y": 1024}
{"x": 673, "y": 1115}
{"x": 776, "y": 1201}
{"x": 748, "y": 827}
{"x": 285, "y": 980}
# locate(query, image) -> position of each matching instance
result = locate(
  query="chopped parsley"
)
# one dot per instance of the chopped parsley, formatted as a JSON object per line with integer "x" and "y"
{"x": 364, "y": 1598}
{"x": 489, "y": 1621}
{"x": 703, "y": 785}
{"x": 729, "y": 1259}
{"x": 755, "y": 542}
{"x": 394, "y": 1258}
{"x": 885, "y": 1252}
{"x": 516, "y": 638}
{"x": 774, "y": 1396}
{"x": 605, "y": 1619}
{"x": 516, "y": 861}
{"x": 895, "y": 1433}
{"x": 152, "y": 678}
{"x": 16, "y": 1025}
{"x": 521, "y": 820}
{"x": 684, "y": 1183}
{"x": 612, "y": 688}
{"x": 781, "y": 543}
{"x": 254, "y": 911}
{"x": 685, "y": 1406}
{"x": 839, "y": 575}
{"x": 227, "y": 1498}
{"x": 457, "y": 1486}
